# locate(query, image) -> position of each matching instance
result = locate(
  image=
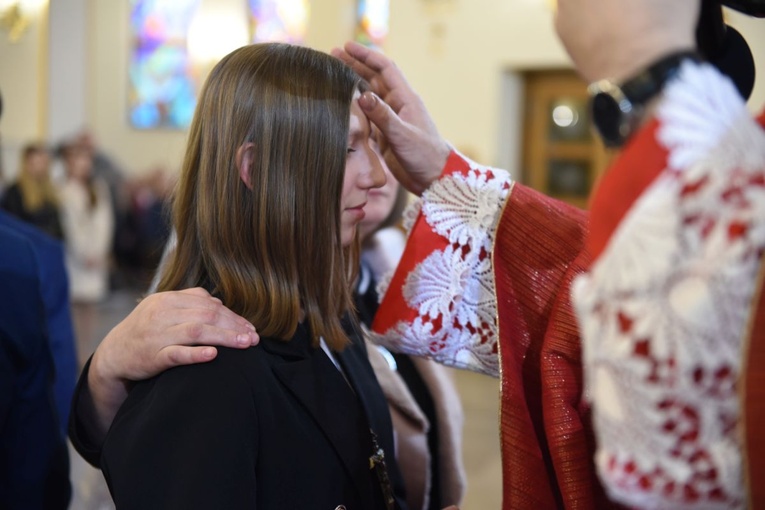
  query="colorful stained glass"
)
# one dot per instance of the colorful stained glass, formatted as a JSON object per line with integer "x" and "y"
{"x": 279, "y": 20}
{"x": 372, "y": 22}
{"x": 162, "y": 88}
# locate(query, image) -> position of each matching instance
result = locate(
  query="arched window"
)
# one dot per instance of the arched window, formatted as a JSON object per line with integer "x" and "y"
{"x": 161, "y": 90}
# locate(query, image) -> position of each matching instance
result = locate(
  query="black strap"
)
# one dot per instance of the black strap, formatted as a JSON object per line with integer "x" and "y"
{"x": 651, "y": 81}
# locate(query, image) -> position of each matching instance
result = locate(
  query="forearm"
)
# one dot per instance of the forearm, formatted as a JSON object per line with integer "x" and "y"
{"x": 96, "y": 402}
{"x": 441, "y": 301}
{"x": 102, "y": 396}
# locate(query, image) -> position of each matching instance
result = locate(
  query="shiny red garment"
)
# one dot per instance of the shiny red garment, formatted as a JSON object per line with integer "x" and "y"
{"x": 754, "y": 396}
{"x": 547, "y": 441}
{"x": 546, "y": 435}
{"x": 546, "y": 438}
{"x": 754, "y": 402}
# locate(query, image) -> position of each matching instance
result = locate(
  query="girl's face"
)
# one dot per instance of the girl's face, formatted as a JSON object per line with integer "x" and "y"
{"x": 380, "y": 201}
{"x": 79, "y": 164}
{"x": 364, "y": 171}
{"x": 37, "y": 164}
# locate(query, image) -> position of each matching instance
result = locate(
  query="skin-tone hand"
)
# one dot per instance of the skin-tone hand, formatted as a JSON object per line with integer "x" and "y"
{"x": 618, "y": 38}
{"x": 413, "y": 149}
{"x": 165, "y": 330}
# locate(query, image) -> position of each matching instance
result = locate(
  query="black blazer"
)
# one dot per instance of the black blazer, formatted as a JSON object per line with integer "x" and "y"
{"x": 276, "y": 426}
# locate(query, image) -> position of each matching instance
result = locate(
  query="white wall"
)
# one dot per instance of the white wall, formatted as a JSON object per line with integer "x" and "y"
{"x": 69, "y": 86}
{"x": 460, "y": 55}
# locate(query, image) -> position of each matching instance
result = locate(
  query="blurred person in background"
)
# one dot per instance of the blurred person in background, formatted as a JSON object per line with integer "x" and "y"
{"x": 107, "y": 169}
{"x": 32, "y": 207}
{"x": 32, "y": 197}
{"x": 34, "y": 460}
{"x": 88, "y": 221}
{"x": 146, "y": 228}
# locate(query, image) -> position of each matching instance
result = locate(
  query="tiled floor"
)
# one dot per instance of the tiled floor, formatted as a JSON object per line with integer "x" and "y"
{"x": 479, "y": 394}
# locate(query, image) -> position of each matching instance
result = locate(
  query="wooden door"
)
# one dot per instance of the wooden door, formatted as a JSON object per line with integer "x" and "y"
{"x": 562, "y": 155}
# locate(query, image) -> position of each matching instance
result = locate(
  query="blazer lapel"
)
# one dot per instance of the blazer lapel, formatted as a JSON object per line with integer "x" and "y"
{"x": 359, "y": 372}
{"x": 322, "y": 390}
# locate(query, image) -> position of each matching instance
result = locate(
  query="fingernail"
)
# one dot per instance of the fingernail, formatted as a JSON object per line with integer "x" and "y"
{"x": 254, "y": 338}
{"x": 368, "y": 101}
{"x": 250, "y": 326}
{"x": 208, "y": 353}
{"x": 243, "y": 339}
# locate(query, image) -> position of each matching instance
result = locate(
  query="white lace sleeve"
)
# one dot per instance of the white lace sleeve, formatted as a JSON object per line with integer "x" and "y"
{"x": 452, "y": 289}
{"x": 664, "y": 309}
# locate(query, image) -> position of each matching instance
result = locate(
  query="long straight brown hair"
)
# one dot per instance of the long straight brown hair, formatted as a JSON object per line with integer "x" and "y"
{"x": 274, "y": 252}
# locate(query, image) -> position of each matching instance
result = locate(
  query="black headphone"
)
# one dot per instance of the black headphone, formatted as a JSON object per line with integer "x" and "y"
{"x": 723, "y": 46}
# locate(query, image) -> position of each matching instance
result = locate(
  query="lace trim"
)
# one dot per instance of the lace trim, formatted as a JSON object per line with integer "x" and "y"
{"x": 453, "y": 290}
{"x": 664, "y": 309}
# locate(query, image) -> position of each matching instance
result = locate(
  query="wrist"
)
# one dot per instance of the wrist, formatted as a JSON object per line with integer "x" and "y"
{"x": 106, "y": 389}
{"x": 445, "y": 152}
{"x": 431, "y": 167}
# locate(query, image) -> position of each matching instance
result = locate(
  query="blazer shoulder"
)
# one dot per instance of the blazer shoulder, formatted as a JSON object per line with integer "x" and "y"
{"x": 230, "y": 367}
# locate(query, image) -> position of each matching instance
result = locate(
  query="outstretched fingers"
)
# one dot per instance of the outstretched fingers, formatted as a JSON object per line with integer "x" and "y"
{"x": 382, "y": 74}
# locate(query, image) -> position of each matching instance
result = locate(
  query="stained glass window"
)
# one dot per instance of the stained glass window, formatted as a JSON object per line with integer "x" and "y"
{"x": 279, "y": 20}
{"x": 162, "y": 89}
{"x": 372, "y": 22}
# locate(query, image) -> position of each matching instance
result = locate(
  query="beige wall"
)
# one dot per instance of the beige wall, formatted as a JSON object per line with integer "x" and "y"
{"x": 22, "y": 82}
{"x": 460, "y": 55}
{"x": 456, "y": 54}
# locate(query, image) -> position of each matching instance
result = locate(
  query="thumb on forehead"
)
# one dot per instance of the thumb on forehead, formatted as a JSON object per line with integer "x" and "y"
{"x": 379, "y": 113}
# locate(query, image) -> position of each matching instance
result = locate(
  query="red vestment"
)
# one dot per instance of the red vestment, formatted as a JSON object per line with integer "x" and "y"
{"x": 485, "y": 283}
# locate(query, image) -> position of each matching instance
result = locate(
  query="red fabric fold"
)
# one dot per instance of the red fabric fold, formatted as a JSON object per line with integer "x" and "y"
{"x": 545, "y": 429}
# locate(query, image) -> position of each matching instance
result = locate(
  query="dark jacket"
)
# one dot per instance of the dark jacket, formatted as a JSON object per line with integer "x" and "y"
{"x": 276, "y": 426}
{"x": 47, "y": 218}
{"x": 54, "y": 284}
{"x": 34, "y": 463}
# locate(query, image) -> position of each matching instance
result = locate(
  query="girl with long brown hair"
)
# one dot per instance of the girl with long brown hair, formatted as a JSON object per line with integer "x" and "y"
{"x": 274, "y": 181}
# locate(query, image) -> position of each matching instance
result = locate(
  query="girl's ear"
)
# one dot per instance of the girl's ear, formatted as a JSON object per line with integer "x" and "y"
{"x": 244, "y": 157}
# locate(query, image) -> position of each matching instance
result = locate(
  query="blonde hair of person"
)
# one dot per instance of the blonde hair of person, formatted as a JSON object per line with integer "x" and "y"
{"x": 36, "y": 191}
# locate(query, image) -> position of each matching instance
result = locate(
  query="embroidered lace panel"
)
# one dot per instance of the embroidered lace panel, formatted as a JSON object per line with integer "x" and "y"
{"x": 663, "y": 311}
{"x": 453, "y": 290}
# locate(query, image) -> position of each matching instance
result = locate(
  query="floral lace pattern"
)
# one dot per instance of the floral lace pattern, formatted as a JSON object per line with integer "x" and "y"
{"x": 663, "y": 311}
{"x": 452, "y": 290}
